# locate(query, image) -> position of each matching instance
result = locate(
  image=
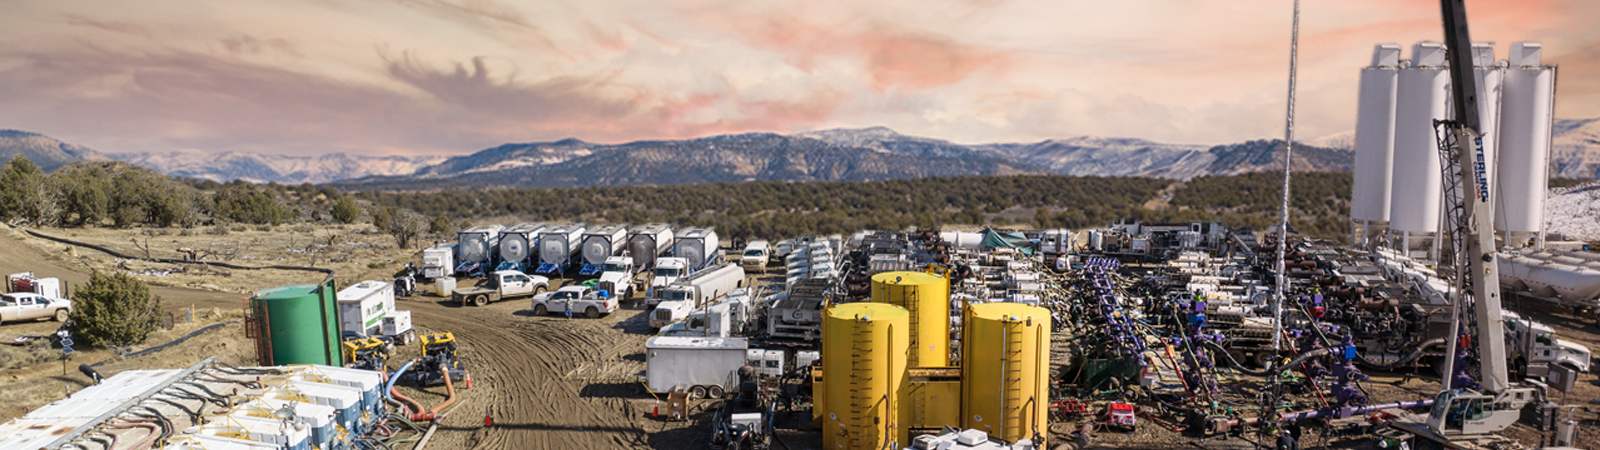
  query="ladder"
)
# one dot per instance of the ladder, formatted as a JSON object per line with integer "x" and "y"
{"x": 1011, "y": 386}
{"x": 862, "y": 413}
{"x": 912, "y": 302}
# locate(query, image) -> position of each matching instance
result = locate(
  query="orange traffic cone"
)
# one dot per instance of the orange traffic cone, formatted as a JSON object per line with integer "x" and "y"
{"x": 488, "y": 421}
{"x": 655, "y": 409}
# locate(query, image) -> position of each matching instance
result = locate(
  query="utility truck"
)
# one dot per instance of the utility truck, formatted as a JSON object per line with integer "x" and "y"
{"x": 582, "y": 299}
{"x": 599, "y": 243}
{"x": 617, "y": 277}
{"x": 1534, "y": 348}
{"x": 666, "y": 272}
{"x": 701, "y": 288}
{"x": 30, "y": 306}
{"x": 501, "y": 284}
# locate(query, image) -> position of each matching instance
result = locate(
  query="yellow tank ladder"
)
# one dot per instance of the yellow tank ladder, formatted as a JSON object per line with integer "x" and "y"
{"x": 1011, "y": 425}
{"x": 861, "y": 398}
{"x": 913, "y": 301}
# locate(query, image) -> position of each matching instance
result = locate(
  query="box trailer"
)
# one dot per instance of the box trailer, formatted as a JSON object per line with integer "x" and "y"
{"x": 362, "y": 307}
{"x": 707, "y": 366}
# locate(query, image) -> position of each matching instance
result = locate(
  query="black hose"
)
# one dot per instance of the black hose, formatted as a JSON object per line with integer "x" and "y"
{"x": 1403, "y": 360}
{"x": 1270, "y": 368}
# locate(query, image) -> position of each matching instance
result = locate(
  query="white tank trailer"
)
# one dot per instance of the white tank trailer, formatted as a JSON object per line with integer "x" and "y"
{"x": 698, "y": 245}
{"x": 558, "y": 246}
{"x": 599, "y": 243}
{"x": 1569, "y": 278}
{"x": 517, "y": 244}
{"x": 1526, "y": 111}
{"x": 476, "y": 247}
{"x": 1420, "y": 99}
{"x": 646, "y": 242}
{"x": 1374, "y": 143}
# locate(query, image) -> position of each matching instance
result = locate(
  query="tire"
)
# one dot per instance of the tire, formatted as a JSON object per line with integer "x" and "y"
{"x": 539, "y": 310}
{"x": 481, "y": 300}
{"x": 1520, "y": 368}
{"x": 61, "y": 315}
{"x": 697, "y": 392}
{"x": 715, "y": 391}
{"x": 539, "y": 290}
{"x": 592, "y": 312}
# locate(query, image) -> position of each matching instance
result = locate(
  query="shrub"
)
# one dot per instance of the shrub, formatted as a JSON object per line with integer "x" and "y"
{"x": 304, "y": 228}
{"x": 116, "y": 310}
{"x": 440, "y": 224}
{"x": 377, "y": 265}
{"x": 218, "y": 230}
{"x": 346, "y": 210}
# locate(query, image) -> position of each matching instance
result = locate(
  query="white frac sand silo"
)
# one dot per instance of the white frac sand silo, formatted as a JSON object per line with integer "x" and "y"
{"x": 1421, "y": 97}
{"x": 1374, "y": 144}
{"x": 1525, "y": 121}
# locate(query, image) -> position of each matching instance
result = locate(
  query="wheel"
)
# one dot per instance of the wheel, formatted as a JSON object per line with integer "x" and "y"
{"x": 1520, "y": 368}
{"x": 715, "y": 391}
{"x": 539, "y": 290}
{"x": 592, "y": 312}
{"x": 540, "y": 310}
{"x": 481, "y": 300}
{"x": 697, "y": 392}
{"x": 61, "y": 315}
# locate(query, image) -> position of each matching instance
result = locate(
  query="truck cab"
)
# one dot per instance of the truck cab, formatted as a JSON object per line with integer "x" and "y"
{"x": 30, "y": 306}
{"x": 756, "y": 256}
{"x": 675, "y": 304}
{"x": 582, "y": 299}
{"x": 666, "y": 271}
{"x": 501, "y": 284}
{"x": 1534, "y": 348}
{"x": 617, "y": 277}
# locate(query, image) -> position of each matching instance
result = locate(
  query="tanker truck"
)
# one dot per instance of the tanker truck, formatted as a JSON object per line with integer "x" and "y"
{"x": 517, "y": 244}
{"x": 1561, "y": 277}
{"x": 558, "y": 246}
{"x": 702, "y": 288}
{"x": 599, "y": 243}
{"x": 475, "y": 249}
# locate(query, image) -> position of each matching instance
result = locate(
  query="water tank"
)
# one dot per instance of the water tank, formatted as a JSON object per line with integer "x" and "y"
{"x": 927, "y": 298}
{"x": 296, "y": 324}
{"x": 864, "y": 375}
{"x": 1526, "y": 106}
{"x": 1420, "y": 99}
{"x": 1375, "y": 135}
{"x": 1006, "y": 370}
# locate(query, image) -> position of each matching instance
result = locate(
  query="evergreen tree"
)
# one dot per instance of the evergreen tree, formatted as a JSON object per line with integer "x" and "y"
{"x": 116, "y": 310}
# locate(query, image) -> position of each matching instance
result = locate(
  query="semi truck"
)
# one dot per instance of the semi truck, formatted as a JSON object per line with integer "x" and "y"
{"x": 698, "y": 246}
{"x": 617, "y": 277}
{"x": 475, "y": 249}
{"x": 501, "y": 284}
{"x": 667, "y": 271}
{"x": 648, "y": 241}
{"x": 1534, "y": 348}
{"x": 517, "y": 244}
{"x": 558, "y": 245}
{"x": 701, "y": 288}
{"x": 599, "y": 243}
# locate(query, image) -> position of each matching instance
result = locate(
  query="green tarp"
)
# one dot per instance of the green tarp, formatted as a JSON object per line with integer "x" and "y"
{"x": 995, "y": 239}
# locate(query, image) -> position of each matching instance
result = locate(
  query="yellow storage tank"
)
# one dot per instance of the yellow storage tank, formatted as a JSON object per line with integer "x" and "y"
{"x": 927, "y": 297}
{"x": 864, "y": 349}
{"x": 1006, "y": 371}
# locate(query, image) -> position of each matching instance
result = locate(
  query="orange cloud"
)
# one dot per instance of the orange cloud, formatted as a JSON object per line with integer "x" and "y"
{"x": 894, "y": 57}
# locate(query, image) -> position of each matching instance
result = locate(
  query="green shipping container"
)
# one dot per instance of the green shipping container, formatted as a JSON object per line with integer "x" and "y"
{"x": 297, "y": 324}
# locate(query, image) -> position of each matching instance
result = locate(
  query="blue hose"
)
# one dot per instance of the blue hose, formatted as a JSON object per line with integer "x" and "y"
{"x": 388, "y": 390}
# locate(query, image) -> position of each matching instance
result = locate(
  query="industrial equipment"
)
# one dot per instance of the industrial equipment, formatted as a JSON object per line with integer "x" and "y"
{"x": 366, "y": 354}
{"x": 438, "y": 356}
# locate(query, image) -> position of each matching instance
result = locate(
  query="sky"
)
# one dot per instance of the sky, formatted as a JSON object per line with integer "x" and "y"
{"x": 447, "y": 77}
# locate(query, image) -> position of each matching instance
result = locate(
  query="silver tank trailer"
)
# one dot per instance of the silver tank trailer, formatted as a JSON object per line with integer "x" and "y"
{"x": 646, "y": 242}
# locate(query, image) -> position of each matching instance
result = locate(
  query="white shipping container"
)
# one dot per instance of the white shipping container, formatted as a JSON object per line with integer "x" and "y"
{"x": 439, "y": 261}
{"x": 363, "y": 306}
{"x": 673, "y": 360}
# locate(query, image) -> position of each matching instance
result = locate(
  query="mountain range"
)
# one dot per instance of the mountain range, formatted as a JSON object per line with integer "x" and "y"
{"x": 859, "y": 154}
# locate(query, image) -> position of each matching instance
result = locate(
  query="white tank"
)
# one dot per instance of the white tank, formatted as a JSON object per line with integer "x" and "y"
{"x": 646, "y": 242}
{"x": 516, "y": 243}
{"x": 697, "y": 244}
{"x": 1420, "y": 99}
{"x": 559, "y": 243}
{"x": 1097, "y": 240}
{"x": 603, "y": 242}
{"x": 1525, "y": 121}
{"x": 477, "y": 244}
{"x": 1545, "y": 274}
{"x": 1375, "y": 135}
{"x": 965, "y": 239}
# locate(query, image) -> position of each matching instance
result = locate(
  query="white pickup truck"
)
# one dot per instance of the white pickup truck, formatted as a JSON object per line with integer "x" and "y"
{"x": 584, "y": 300}
{"x": 501, "y": 284}
{"x": 30, "y": 306}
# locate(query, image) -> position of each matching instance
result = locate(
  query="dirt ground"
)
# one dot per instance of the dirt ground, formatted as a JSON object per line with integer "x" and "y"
{"x": 547, "y": 382}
